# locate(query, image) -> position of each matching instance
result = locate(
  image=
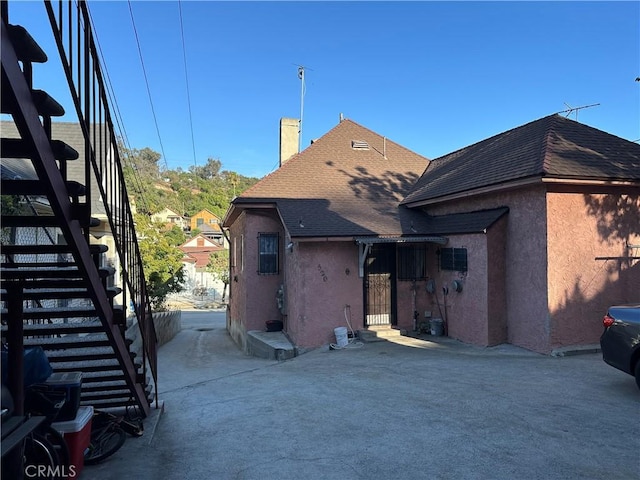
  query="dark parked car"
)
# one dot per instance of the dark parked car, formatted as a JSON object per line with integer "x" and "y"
{"x": 620, "y": 341}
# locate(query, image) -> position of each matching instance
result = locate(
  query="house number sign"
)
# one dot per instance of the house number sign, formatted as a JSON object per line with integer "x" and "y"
{"x": 322, "y": 274}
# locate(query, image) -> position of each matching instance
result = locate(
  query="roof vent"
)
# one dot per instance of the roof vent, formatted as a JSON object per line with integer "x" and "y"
{"x": 359, "y": 145}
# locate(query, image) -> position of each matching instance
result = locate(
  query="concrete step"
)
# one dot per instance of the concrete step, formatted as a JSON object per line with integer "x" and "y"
{"x": 379, "y": 333}
{"x": 270, "y": 345}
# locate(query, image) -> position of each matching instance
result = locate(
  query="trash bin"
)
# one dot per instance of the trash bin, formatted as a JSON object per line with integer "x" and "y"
{"x": 437, "y": 327}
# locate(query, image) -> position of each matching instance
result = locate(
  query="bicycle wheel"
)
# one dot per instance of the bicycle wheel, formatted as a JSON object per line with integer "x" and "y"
{"x": 41, "y": 458}
{"x": 105, "y": 444}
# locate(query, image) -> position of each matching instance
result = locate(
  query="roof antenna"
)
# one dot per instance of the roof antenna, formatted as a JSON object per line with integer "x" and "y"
{"x": 301, "y": 69}
{"x": 571, "y": 109}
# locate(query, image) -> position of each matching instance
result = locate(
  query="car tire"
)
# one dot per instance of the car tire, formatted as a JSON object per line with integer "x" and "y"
{"x": 637, "y": 373}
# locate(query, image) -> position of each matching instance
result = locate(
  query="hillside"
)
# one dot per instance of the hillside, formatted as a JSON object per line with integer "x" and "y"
{"x": 187, "y": 192}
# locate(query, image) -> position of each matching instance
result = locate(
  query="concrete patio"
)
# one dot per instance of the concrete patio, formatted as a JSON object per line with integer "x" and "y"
{"x": 406, "y": 408}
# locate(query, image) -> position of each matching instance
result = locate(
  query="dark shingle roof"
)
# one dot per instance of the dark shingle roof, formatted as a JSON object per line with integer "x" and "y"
{"x": 335, "y": 190}
{"x": 552, "y": 146}
{"x": 461, "y": 223}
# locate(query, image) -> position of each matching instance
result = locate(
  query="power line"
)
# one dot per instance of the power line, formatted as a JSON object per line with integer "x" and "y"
{"x": 146, "y": 79}
{"x": 186, "y": 78}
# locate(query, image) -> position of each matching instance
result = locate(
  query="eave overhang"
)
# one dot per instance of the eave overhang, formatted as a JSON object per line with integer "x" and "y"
{"x": 522, "y": 183}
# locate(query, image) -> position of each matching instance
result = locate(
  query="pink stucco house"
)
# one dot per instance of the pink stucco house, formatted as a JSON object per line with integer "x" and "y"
{"x": 523, "y": 238}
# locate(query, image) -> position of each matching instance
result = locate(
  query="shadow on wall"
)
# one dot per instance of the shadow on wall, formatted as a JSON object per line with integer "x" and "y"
{"x": 617, "y": 219}
{"x": 617, "y": 216}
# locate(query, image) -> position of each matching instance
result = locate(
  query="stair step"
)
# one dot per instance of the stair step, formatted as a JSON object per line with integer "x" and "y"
{"x": 37, "y": 187}
{"x": 44, "y": 103}
{"x": 18, "y": 148}
{"x": 95, "y": 248}
{"x": 102, "y": 405}
{"x": 42, "y": 221}
{"x": 26, "y": 48}
{"x": 59, "y": 328}
{"x": 79, "y": 354}
{"x": 58, "y": 293}
{"x": 36, "y": 264}
{"x": 70, "y": 341}
{"x": 102, "y": 376}
{"x": 105, "y": 395}
{"x": 60, "y": 312}
{"x": 52, "y": 284}
{"x": 122, "y": 394}
{"x": 89, "y": 365}
{"x": 80, "y": 351}
{"x": 49, "y": 273}
{"x": 97, "y": 387}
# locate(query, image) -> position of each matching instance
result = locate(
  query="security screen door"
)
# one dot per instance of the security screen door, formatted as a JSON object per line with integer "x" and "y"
{"x": 379, "y": 281}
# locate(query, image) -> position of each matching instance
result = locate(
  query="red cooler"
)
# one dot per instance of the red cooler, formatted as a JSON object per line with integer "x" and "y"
{"x": 76, "y": 433}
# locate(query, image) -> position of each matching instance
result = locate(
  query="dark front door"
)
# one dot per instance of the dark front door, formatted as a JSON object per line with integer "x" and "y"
{"x": 378, "y": 288}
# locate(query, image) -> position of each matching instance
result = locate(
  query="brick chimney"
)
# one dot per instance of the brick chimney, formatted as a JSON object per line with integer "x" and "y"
{"x": 289, "y": 138}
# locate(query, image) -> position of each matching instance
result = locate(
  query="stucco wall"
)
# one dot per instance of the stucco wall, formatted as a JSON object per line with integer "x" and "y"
{"x": 497, "y": 318}
{"x": 525, "y": 268}
{"x": 581, "y": 287}
{"x": 322, "y": 279}
{"x": 405, "y": 300}
{"x": 252, "y": 300}
{"x": 465, "y": 312}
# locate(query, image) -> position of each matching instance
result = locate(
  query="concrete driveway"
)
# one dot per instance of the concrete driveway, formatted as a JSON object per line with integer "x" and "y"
{"x": 406, "y": 410}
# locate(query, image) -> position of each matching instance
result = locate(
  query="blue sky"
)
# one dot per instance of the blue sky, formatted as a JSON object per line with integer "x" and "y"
{"x": 432, "y": 76}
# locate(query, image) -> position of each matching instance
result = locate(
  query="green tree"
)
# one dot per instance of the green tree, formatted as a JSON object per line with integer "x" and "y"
{"x": 219, "y": 266}
{"x": 162, "y": 260}
{"x": 153, "y": 188}
{"x": 175, "y": 236}
{"x": 208, "y": 171}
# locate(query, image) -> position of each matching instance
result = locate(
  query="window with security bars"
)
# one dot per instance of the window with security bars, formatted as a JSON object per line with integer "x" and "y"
{"x": 268, "y": 245}
{"x": 453, "y": 259}
{"x": 412, "y": 262}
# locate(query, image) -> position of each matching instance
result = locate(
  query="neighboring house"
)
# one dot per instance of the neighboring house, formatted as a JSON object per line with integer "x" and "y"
{"x": 523, "y": 238}
{"x": 168, "y": 216}
{"x": 209, "y": 225}
{"x": 197, "y": 251}
{"x": 71, "y": 134}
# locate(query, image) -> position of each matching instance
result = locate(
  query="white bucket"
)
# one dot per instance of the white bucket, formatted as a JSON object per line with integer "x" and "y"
{"x": 437, "y": 327}
{"x": 341, "y": 336}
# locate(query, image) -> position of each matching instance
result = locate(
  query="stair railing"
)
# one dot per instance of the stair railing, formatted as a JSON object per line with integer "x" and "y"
{"x": 72, "y": 30}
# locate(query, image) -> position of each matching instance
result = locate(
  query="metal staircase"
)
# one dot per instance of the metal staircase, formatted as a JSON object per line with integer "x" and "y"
{"x": 70, "y": 269}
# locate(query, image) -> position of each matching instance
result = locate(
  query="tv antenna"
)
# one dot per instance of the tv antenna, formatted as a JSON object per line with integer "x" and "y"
{"x": 571, "y": 109}
{"x": 301, "y": 70}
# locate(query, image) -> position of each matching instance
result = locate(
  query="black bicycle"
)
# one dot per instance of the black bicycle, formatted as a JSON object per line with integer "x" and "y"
{"x": 45, "y": 450}
{"x": 108, "y": 434}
